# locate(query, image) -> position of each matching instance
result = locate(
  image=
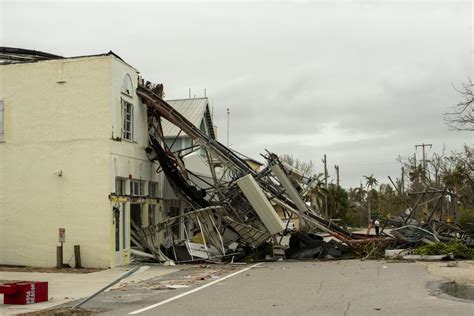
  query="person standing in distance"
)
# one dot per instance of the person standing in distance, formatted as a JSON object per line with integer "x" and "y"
{"x": 377, "y": 227}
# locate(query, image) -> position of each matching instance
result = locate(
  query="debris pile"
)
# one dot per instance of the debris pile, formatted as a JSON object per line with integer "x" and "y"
{"x": 234, "y": 210}
{"x": 423, "y": 225}
{"x": 310, "y": 246}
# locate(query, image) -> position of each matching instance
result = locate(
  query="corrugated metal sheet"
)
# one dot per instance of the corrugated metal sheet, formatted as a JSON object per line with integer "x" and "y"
{"x": 248, "y": 233}
{"x": 191, "y": 109}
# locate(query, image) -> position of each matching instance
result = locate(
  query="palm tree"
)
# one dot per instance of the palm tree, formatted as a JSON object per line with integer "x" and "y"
{"x": 316, "y": 192}
{"x": 370, "y": 183}
{"x": 360, "y": 194}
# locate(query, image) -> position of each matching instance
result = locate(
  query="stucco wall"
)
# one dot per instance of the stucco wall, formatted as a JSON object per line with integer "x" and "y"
{"x": 57, "y": 118}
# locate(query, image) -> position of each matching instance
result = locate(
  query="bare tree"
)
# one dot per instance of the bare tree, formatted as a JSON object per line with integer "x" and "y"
{"x": 306, "y": 168}
{"x": 462, "y": 115}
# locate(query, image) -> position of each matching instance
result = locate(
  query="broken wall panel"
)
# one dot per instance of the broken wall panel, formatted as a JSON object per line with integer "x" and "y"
{"x": 289, "y": 188}
{"x": 261, "y": 204}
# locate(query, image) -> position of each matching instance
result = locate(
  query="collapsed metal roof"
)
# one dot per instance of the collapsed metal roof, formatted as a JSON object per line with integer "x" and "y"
{"x": 11, "y": 55}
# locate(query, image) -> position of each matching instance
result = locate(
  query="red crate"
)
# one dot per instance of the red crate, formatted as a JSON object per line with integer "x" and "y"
{"x": 25, "y": 292}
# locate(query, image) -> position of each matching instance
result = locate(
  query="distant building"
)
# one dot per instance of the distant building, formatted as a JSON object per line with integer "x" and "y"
{"x": 197, "y": 111}
{"x": 252, "y": 163}
{"x": 72, "y": 139}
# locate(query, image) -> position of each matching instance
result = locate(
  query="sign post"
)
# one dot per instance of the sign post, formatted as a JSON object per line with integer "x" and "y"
{"x": 59, "y": 250}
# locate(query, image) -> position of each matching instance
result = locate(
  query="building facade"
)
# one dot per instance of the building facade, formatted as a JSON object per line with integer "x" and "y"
{"x": 72, "y": 140}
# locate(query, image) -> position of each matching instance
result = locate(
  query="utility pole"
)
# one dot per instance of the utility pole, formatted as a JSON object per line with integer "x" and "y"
{"x": 228, "y": 123}
{"x": 423, "y": 164}
{"x": 337, "y": 174}
{"x": 424, "y": 160}
{"x": 403, "y": 180}
{"x": 326, "y": 186}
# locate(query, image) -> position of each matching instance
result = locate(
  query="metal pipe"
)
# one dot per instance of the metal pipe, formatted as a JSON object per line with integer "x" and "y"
{"x": 117, "y": 280}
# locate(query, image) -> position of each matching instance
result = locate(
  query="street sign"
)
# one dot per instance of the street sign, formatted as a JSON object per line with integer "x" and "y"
{"x": 62, "y": 235}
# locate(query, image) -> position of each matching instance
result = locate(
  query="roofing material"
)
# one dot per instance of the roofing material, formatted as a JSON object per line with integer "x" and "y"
{"x": 13, "y": 55}
{"x": 192, "y": 109}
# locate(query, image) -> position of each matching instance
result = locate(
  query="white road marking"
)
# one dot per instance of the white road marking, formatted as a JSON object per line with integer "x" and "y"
{"x": 138, "y": 311}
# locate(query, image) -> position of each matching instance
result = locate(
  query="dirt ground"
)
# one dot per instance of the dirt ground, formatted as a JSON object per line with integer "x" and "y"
{"x": 459, "y": 271}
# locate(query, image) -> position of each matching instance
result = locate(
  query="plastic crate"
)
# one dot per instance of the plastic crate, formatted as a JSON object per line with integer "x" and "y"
{"x": 24, "y": 292}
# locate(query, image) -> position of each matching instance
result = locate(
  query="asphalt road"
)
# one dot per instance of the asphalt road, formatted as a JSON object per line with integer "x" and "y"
{"x": 349, "y": 287}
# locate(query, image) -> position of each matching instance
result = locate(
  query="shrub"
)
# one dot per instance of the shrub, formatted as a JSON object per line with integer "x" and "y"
{"x": 466, "y": 219}
{"x": 455, "y": 247}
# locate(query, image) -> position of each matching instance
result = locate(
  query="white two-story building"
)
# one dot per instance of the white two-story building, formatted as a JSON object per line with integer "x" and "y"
{"x": 72, "y": 139}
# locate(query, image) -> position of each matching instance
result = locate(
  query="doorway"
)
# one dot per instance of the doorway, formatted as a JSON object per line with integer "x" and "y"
{"x": 121, "y": 231}
{"x": 135, "y": 223}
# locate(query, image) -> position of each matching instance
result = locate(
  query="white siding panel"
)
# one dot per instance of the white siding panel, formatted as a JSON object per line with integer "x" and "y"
{"x": 261, "y": 204}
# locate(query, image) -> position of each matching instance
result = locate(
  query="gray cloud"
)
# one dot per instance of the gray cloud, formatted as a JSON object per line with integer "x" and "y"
{"x": 361, "y": 82}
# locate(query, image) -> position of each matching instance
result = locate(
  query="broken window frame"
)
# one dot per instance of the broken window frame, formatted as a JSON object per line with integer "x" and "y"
{"x": 127, "y": 121}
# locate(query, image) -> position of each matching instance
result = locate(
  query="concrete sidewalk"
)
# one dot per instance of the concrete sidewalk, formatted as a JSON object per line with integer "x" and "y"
{"x": 67, "y": 287}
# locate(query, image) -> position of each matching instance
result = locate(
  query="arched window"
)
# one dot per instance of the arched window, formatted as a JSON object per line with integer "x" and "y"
{"x": 127, "y": 85}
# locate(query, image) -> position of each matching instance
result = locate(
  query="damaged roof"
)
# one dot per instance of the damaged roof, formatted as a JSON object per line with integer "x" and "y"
{"x": 13, "y": 55}
{"x": 194, "y": 110}
{"x": 20, "y": 55}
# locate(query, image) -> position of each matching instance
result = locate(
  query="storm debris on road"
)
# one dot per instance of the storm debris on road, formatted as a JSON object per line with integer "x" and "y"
{"x": 235, "y": 212}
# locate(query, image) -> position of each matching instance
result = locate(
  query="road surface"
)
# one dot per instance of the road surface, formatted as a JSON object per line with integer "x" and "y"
{"x": 345, "y": 287}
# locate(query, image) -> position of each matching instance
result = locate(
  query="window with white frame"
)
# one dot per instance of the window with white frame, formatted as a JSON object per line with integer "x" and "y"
{"x": 127, "y": 120}
{"x": 1, "y": 120}
{"x": 120, "y": 186}
{"x": 137, "y": 188}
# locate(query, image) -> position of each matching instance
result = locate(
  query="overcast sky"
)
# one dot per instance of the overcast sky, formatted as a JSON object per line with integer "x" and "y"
{"x": 362, "y": 82}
